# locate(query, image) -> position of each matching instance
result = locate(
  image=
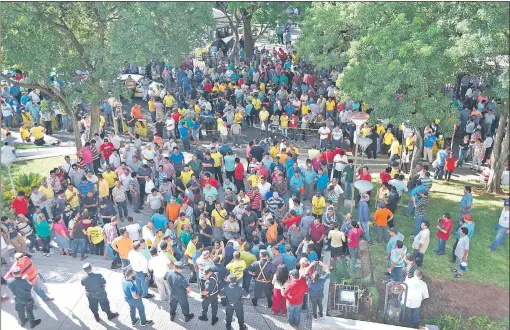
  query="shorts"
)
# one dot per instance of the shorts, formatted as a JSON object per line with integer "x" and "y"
{"x": 336, "y": 252}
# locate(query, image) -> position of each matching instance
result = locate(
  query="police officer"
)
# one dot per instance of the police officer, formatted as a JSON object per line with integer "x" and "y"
{"x": 210, "y": 294}
{"x": 263, "y": 271}
{"x": 94, "y": 288}
{"x": 24, "y": 303}
{"x": 233, "y": 294}
{"x": 179, "y": 290}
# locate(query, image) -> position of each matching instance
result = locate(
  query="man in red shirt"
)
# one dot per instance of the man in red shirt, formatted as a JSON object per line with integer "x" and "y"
{"x": 443, "y": 233}
{"x": 317, "y": 233}
{"x": 294, "y": 293}
{"x": 20, "y": 204}
{"x": 208, "y": 86}
{"x": 293, "y": 124}
{"x": 294, "y": 218}
{"x": 107, "y": 150}
{"x": 207, "y": 179}
{"x": 385, "y": 175}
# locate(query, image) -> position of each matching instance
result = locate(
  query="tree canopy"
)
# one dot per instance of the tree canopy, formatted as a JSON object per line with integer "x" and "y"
{"x": 97, "y": 37}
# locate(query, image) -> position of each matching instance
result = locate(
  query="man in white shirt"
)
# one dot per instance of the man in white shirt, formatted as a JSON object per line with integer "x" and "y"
{"x": 139, "y": 265}
{"x": 160, "y": 265}
{"x": 264, "y": 187}
{"x": 417, "y": 291}
{"x": 421, "y": 243}
{"x": 133, "y": 229}
{"x": 148, "y": 233}
{"x": 503, "y": 227}
{"x": 324, "y": 135}
{"x": 170, "y": 127}
{"x": 340, "y": 161}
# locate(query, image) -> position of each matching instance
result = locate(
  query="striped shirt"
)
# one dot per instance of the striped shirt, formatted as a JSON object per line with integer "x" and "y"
{"x": 93, "y": 150}
{"x": 119, "y": 194}
{"x": 23, "y": 228}
{"x": 427, "y": 182}
{"x": 110, "y": 232}
{"x": 133, "y": 184}
{"x": 272, "y": 204}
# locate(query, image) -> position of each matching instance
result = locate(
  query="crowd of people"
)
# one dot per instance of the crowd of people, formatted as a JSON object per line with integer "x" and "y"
{"x": 245, "y": 221}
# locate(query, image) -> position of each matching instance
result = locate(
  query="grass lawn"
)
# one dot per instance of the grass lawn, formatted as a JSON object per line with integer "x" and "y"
{"x": 26, "y": 146}
{"x": 483, "y": 267}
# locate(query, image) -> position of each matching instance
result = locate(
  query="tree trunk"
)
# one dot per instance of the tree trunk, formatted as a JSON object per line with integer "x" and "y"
{"x": 499, "y": 156}
{"x": 249, "y": 43}
{"x": 95, "y": 114}
{"x": 418, "y": 148}
{"x": 73, "y": 115}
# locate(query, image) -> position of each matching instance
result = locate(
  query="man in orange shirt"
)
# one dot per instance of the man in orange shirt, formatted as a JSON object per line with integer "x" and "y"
{"x": 272, "y": 232}
{"x": 381, "y": 217}
{"x": 172, "y": 210}
{"x": 122, "y": 245}
{"x": 136, "y": 112}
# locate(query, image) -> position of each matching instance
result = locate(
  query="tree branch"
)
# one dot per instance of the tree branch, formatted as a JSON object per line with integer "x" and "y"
{"x": 262, "y": 31}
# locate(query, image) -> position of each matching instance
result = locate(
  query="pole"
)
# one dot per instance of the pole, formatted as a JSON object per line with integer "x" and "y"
{"x": 355, "y": 164}
{"x": 12, "y": 182}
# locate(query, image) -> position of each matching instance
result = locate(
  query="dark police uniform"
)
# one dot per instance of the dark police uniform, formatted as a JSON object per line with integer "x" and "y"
{"x": 96, "y": 294}
{"x": 178, "y": 293}
{"x": 24, "y": 303}
{"x": 263, "y": 272}
{"x": 212, "y": 287}
{"x": 233, "y": 294}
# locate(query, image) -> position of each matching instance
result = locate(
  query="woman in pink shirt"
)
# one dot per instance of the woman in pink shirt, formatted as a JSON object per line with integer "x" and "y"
{"x": 86, "y": 155}
{"x": 62, "y": 236}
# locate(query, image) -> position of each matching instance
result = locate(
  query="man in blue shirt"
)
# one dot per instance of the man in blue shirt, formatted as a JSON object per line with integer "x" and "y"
{"x": 364, "y": 216}
{"x": 322, "y": 180}
{"x": 466, "y": 203}
{"x": 309, "y": 177}
{"x": 184, "y": 132}
{"x": 412, "y": 195}
{"x": 428, "y": 143}
{"x": 159, "y": 219}
{"x": 296, "y": 182}
{"x": 289, "y": 259}
{"x": 134, "y": 298}
{"x": 289, "y": 108}
{"x": 441, "y": 158}
{"x": 177, "y": 158}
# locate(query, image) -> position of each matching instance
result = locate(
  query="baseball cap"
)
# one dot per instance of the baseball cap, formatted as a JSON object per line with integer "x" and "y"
{"x": 86, "y": 266}
{"x": 179, "y": 265}
{"x": 467, "y": 216}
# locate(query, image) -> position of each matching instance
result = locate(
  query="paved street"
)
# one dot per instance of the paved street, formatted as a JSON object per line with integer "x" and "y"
{"x": 70, "y": 310}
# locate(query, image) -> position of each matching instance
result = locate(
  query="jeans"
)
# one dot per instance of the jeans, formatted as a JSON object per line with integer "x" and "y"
{"x": 500, "y": 238}
{"x": 438, "y": 174}
{"x": 25, "y": 311}
{"x": 34, "y": 243}
{"x": 316, "y": 302}
{"x": 38, "y": 288}
{"x": 65, "y": 122}
{"x": 462, "y": 156}
{"x": 366, "y": 230}
{"x": 135, "y": 304}
{"x": 235, "y": 139}
{"x": 441, "y": 244}
{"x": 410, "y": 207}
{"x": 353, "y": 254}
{"x": 396, "y": 273}
{"x": 415, "y": 316}
{"x": 382, "y": 231}
{"x": 323, "y": 143}
{"x": 418, "y": 256}
{"x": 8, "y": 121}
{"x": 90, "y": 167}
{"x": 417, "y": 223}
{"x": 79, "y": 243}
{"x": 122, "y": 209}
{"x": 142, "y": 282}
{"x": 46, "y": 244}
{"x": 294, "y": 314}
{"x": 348, "y": 189}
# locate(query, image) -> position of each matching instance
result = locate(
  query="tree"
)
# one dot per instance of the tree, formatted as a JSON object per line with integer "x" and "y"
{"x": 256, "y": 18}
{"x": 97, "y": 37}
{"x": 407, "y": 52}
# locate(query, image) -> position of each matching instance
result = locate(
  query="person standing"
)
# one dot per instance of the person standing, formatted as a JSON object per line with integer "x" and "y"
{"x": 461, "y": 251}
{"x": 466, "y": 203}
{"x": 397, "y": 261}
{"x": 179, "y": 290}
{"x": 503, "y": 228}
{"x": 209, "y": 293}
{"x": 420, "y": 206}
{"x": 421, "y": 243}
{"x": 159, "y": 264}
{"x": 364, "y": 216}
{"x": 140, "y": 265}
{"x": 94, "y": 288}
{"x": 294, "y": 293}
{"x": 133, "y": 297}
{"x": 24, "y": 303}
{"x": 381, "y": 217}
{"x": 233, "y": 295}
{"x": 316, "y": 288}
{"x": 120, "y": 200}
{"x": 263, "y": 272}
{"x": 417, "y": 291}
{"x": 443, "y": 233}
{"x": 467, "y": 222}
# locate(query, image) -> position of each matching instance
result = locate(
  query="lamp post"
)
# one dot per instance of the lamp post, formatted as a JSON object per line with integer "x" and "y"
{"x": 358, "y": 118}
{"x": 363, "y": 142}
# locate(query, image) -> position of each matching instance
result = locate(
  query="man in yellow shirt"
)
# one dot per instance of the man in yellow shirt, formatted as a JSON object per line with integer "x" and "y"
{"x": 38, "y": 133}
{"x": 274, "y": 150}
{"x": 257, "y": 104}
{"x": 72, "y": 198}
{"x": 103, "y": 186}
{"x": 253, "y": 180}
{"x": 305, "y": 109}
{"x": 218, "y": 216}
{"x": 237, "y": 267}
{"x": 330, "y": 107}
{"x": 151, "y": 104}
{"x": 262, "y": 87}
{"x": 238, "y": 117}
{"x": 284, "y": 123}
{"x": 264, "y": 116}
{"x": 48, "y": 192}
{"x": 318, "y": 205}
{"x": 168, "y": 100}
{"x": 24, "y": 132}
{"x": 186, "y": 174}
{"x": 191, "y": 248}
{"x": 110, "y": 177}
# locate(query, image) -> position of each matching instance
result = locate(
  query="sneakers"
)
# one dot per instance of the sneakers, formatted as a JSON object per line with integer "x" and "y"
{"x": 315, "y": 318}
{"x": 147, "y": 323}
{"x": 203, "y": 318}
{"x": 45, "y": 254}
{"x": 96, "y": 316}
{"x": 35, "y": 323}
{"x": 188, "y": 317}
{"x": 172, "y": 317}
{"x": 136, "y": 322}
{"x": 214, "y": 320}
{"x": 111, "y": 316}
{"x": 149, "y": 296}
{"x": 254, "y": 302}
